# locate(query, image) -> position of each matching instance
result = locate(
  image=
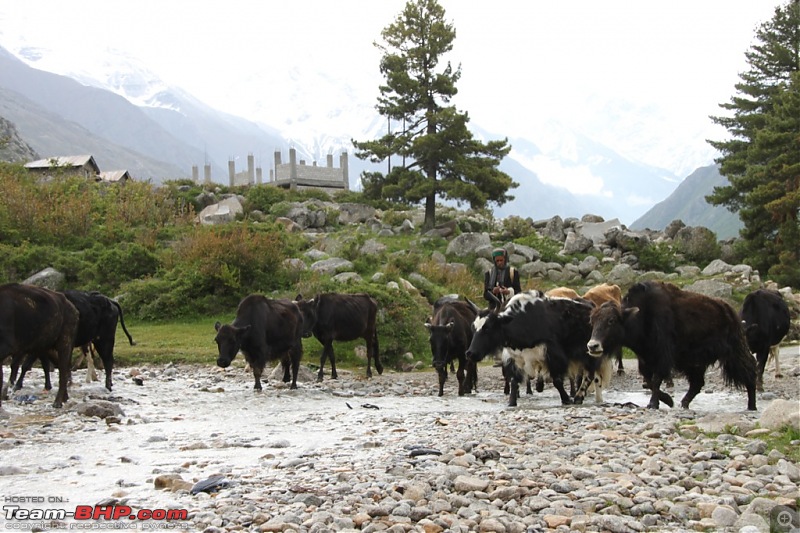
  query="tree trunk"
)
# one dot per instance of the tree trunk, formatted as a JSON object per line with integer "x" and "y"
{"x": 430, "y": 212}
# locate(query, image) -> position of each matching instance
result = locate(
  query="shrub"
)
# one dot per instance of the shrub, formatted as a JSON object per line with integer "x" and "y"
{"x": 515, "y": 227}
{"x": 264, "y": 197}
{"x": 699, "y": 245}
{"x": 232, "y": 258}
{"x": 547, "y": 247}
{"x": 401, "y": 316}
{"x": 118, "y": 264}
{"x": 658, "y": 256}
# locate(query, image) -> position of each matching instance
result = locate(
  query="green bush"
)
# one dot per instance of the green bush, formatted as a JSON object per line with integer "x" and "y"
{"x": 547, "y": 247}
{"x": 516, "y": 228}
{"x": 699, "y": 246}
{"x": 401, "y": 316}
{"x": 264, "y": 197}
{"x": 118, "y": 264}
{"x": 655, "y": 256}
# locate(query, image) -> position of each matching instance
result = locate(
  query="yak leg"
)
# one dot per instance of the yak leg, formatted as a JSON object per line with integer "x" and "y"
{"x": 761, "y": 364}
{"x": 327, "y": 348}
{"x": 620, "y": 368}
{"x": 372, "y": 352}
{"x": 442, "y": 373}
{"x": 775, "y": 352}
{"x": 558, "y": 383}
{"x": 586, "y": 378}
{"x": 257, "y": 371}
{"x": 91, "y": 373}
{"x": 332, "y": 357}
{"x": 64, "y": 355}
{"x": 26, "y": 366}
{"x": 696, "y": 382}
{"x": 472, "y": 376}
{"x": 461, "y": 376}
{"x": 513, "y": 392}
{"x": 375, "y": 353}
{"x": 105, "y": 349}
{"x": 469, "y": 383}
{"x": 657, "y": 394}
{"x": 296, "y": 353}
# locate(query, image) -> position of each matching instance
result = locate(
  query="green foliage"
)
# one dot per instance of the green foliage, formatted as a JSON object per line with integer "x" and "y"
{"x": 547, "y": 247}
{"x": 400, "y": 319}
{"x": 785, "y": 441}
{"x": 762, "y": 157}
{"x": 655, "y": 256}
{"x": 263, "y": 197}
{"x": 118, "y": 264}
{"x": 280, "y": 209}
{"x": 438, "y": 155}
{"x": 515, "y": 227}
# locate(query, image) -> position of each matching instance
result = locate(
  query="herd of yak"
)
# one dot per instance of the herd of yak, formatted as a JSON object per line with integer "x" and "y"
{"x": 558, "y": 335}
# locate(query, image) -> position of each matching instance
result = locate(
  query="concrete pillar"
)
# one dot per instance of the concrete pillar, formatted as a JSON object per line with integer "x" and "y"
{"x": 329, "y": 161}
{"x": 292, "y": 168}
{"x": 231, "y": 172}
{"x": 258, "y": 176}
{"x": 345, "y": 170}
{"x": 207, "y": 173}
{"x": 275, "y": 176}
{"x": 195, "y": 174}
{"x": 251, "y": 169}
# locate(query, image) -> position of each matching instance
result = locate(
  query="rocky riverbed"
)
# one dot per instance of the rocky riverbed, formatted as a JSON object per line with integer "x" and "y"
{"x": 387, "y": 454}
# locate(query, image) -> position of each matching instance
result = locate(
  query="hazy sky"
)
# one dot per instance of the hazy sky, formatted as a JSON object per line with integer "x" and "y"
{"x": 581, "y": 61}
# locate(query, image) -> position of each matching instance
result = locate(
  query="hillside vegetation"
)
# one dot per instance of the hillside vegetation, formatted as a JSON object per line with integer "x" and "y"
{"x": 142, "y": 245}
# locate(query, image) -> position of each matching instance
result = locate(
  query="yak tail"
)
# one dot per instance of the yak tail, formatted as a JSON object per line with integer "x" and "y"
{"x": 739, "y": 367}
{"x": 122, "y": 321}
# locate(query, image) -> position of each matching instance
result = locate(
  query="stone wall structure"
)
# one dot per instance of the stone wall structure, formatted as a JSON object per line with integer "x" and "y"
{"x": 298, "y": 175}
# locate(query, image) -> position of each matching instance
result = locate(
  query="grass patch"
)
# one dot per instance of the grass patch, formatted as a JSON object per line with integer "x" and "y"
{"x": 785, "y": 441}
{"x": 191, "y": 341}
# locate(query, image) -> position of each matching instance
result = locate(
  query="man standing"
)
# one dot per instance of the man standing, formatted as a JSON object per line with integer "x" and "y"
{"x": 500, "y": 282}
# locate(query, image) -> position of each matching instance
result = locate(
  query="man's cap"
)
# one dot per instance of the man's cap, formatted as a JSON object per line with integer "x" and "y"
{"x": 498, "y": 252}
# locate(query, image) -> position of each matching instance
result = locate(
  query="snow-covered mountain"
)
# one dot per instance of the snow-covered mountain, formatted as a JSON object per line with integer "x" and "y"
{"x": 560, "y": 169}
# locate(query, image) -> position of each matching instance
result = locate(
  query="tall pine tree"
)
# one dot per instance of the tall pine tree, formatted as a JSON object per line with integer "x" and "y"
{"x": 435, "y": 154}
{"x": 762, "y": 157}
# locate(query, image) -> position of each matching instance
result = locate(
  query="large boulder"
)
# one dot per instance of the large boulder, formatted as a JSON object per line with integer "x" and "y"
{"x": 576, "y": 243}
{"x": 355, "y": 213}
{"x": 711, "y": 287}
{"x": 332, "y": 266}
{"x": 596, "y": 230}
{"x": 222, "y": 212}
{"x": 308, "y": 215}
{"x": 779, "y": 414}
{"x": 468, "y": 243}
{"x": 49, "y": 278}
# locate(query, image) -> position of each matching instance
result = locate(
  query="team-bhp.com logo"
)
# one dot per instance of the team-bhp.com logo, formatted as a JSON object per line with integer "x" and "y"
{"x": 94, "y": 512}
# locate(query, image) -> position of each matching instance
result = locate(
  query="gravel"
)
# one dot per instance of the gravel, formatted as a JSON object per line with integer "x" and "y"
{"x": 387, "y": 454}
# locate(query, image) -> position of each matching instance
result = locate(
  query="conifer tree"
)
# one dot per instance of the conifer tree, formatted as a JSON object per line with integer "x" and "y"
{"x": 432, "y": 152}
{"x": 761, "y": 159}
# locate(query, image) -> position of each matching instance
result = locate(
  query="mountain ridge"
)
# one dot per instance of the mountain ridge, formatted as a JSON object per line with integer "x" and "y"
{"x": 171, "y": 126}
